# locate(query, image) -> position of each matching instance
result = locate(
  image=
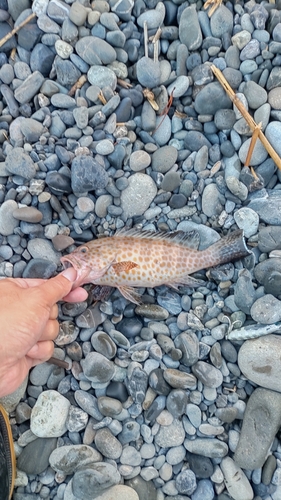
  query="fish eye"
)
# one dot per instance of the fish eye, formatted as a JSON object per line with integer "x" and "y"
{"x": 84, "y": 250}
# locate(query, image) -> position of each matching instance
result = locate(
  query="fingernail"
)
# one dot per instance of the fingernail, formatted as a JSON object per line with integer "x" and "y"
{"x": 69, "y": 273}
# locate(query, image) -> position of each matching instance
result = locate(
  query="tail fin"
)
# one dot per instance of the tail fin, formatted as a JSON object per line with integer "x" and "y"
{"x": 229, "y": 248}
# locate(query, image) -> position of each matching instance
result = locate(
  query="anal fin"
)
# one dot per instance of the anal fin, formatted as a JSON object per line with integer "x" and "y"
{"x": 186, "y": 281}
{"x": 130, "y": 293}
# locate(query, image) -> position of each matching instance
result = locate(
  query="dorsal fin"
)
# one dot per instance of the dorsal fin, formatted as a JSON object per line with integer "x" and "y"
{"x": 190, "y": 240}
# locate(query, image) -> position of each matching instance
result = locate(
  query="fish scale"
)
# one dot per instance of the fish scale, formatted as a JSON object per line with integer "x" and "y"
{"x": 134, "y": 258}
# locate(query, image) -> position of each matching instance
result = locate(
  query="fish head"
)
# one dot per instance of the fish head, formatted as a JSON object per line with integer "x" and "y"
{"x": 88, "y": 262}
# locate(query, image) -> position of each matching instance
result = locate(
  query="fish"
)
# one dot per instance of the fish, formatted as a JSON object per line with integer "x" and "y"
{"x": 138, "y": 258}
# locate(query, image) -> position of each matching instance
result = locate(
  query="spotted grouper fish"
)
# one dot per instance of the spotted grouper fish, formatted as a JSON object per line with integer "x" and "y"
{"x": 134, "y": 258}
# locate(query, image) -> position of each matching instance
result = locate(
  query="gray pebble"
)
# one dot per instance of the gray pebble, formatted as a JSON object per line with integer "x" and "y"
{"x": 248, "y": 220}
{"x": 87, "y": 174}
{"x": 251, "y": 451}
{"x": 99, "y": 477}
{"x": 266, "y": 310}
{"x": 67, "y": 459}
{"x": 107, "y": 444}
{"x": 170, "y": 435}
{"x": 19, "y": 163}
{"x": 97, "y": 368}
{"x": 101, "y": 76}
{"x": 231, "y": 472}
{"x": 34, "y": 458}
{"x": 110, "y": 407}
{"x": 221, "y": 21}
{"x": 186, "y": 482}
{"x": 189, "y": 29}
{"x": 255, "y": 94}
{"x": 208, "y": 447}
{"x": 148, "y": 72}
{"x": 208, "y": 374}
{"x": 164, "y": 158}
{"x": 7, "y": 221}
{"x": 136, "y": 198}
{"x": 261, "y": 352}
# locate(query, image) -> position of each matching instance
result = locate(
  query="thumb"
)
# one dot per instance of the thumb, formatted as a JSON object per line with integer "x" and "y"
{"x": 56, "y": 288}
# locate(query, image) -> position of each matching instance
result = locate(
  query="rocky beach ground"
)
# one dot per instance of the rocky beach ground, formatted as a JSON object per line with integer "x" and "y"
{"x": 112, "y": 117}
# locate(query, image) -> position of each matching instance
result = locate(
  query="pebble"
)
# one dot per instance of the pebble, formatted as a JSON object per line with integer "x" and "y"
{"x": 28, "y": 214}
{"x": 208, "y": 447}
{"x": 244, "y": 294}
{"x": 189, "y": 29}
{"x": 236, "y": 481}
{"x": 144, "y": 489}
{"x": 100, "y": 76}
{"x": 207, "y": 374}
{"x": 19, "y": 163}
{"x": 49, "y": 415}
{"x": 258, "y": 361}
{"x": 42, "y": 249}
{"x": 34, "y": 458}
{"x": 97, "y": 368}
{"x": 7, "y": 221}
{"x": 259, "y": 153}
{"x": 179, "y": 380}
{"x": 103, "y": 344}
{"x": 163, "y": 159}
{"x": 87, "y": 174}
{"x": 100, "y": 476}
{"x": 139, "y": 194}
{"x": 139, "y": 160}
{"x": 262, "y": 415}
{"x": 107, "y": 444}
{"x": 266, "y": 310}
{"x": 248, "y": 220}
{"x": 119, "y": 492}
{"x": 170, "y": 435}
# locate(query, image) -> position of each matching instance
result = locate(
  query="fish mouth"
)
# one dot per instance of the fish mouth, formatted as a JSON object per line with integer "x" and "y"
{"x": 81, "y": 273}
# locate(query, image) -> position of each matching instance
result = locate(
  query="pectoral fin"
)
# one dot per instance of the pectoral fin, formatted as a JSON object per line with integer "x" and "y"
{"x": 130, "y": 293}
{"x": 123, "y": 267}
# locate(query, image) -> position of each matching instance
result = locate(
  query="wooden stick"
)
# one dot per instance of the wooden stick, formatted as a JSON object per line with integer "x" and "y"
{"x": 156, "y": 36}
{"x": 214, "y": 5}
{"x": 252, "y": 144}
{"x": 77, "y": 85}
{"x": 15, "y": 30}
{"x": 124, "y": 84}
{"x": 145, "y": 39}
{"x": 249, "y": 119}
{"x": 59, "y": 362}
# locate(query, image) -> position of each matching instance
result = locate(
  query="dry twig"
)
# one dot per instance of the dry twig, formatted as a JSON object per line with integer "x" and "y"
{"x": 77, "y": 85}
{"x": 124, "y": 84}
{"x": 214, "y": 5}
{"x": 148, "y": 94}
{"x": 249, "y": 119}
{"x": 102, "y": 98}
{"x": 252, "y": 144}
{"x": 15, "y": 30}
{"x": 145, "y": 38}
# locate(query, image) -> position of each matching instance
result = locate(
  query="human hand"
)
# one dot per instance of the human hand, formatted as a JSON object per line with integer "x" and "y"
{"x": 28, "y": 323}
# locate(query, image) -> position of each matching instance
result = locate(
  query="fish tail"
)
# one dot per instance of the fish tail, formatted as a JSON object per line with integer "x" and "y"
{"x": 231, "y": 247}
